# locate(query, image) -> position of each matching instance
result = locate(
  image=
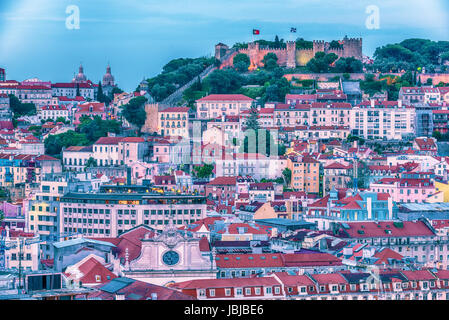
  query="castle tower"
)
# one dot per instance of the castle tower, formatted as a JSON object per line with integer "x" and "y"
{"x": 220, "y": 50}
{"x": 253, "y": 53}
{"x": 318, "y": 46}
{"x": 353, "y": 47}
{"x": 291, "y": 54}
{"x": 152, "y": 114}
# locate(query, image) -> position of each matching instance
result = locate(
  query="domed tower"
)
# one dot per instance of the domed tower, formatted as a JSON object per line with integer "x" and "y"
{"x": 108, "y": 82}
{"x": 80, "y": 77}
{"x": 108, "y": 78}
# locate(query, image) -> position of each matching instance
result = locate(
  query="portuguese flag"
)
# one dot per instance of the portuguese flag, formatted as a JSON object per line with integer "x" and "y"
{"x": 256, "y": 31}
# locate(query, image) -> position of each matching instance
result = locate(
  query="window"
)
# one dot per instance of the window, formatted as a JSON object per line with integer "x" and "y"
{"x": 227, "y": 292}
{"x": 212, "y": 292}
{"x": 248, "y": 291}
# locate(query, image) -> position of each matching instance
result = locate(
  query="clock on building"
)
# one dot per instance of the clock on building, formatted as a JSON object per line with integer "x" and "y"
{"x": 170, "y": 258}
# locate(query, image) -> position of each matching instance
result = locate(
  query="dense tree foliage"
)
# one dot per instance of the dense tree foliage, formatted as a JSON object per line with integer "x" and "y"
{"x": 410, "y": 54}
{"x": 96, "y": 128}
{"x": 134, "y": 111}
{"x": 303, "y": 44}
{"x": 287, "y": 174}
{"x": 270, "y": 61}
{"x": 348, "y": 65}
{"x": 440, "y": 136}
{"x": 203, "y": 171}
{"x": 321, "y": 63}
{"x": 224, "y": 81}
{"x": 241, "y": 62}
{"x": 334, "y": 44}
{"x": 54, "y": 143}
{"x": 21, "y": 109}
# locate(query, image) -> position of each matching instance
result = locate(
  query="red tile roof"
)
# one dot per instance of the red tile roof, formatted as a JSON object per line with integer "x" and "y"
{"x": 219, "y": 181}
{"x": 330, "y": 278}
{"x": 109, "y": 140}
{"x": 91, "y": 269}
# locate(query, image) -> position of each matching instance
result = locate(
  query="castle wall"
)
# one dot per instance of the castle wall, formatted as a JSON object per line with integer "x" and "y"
{"x": 322, "y": 76}
{"x": 290, "y": 56}
{"x": 303, "y": 56}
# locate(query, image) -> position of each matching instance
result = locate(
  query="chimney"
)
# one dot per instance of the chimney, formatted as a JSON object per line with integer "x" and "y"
{"x": 154, "y": 296}
{"x": 347, "y": 251}
{"x": 372, "y": 103}
{"x": 399, "y": 104}
{"x": 119, "y": 296}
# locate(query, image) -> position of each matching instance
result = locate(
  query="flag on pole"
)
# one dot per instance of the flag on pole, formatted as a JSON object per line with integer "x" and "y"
{"x": 293, "y": 30}
{"x": 256, "y": 31}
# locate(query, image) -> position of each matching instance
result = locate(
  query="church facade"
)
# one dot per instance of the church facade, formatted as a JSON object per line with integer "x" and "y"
{"x": 171, "y": 257}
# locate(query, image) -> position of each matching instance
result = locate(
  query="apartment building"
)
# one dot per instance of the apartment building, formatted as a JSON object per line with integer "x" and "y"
{"x": 174, "y": 121}
{"x": 383, "y": 120}
{"x": 330, "y": 114}
{"x": 305, "y": 173}
{"x": 286, "y": 115}
{"x": 110, "y": 214}
{"x": 405, "y": 190}
{"x": 217, "y": 105}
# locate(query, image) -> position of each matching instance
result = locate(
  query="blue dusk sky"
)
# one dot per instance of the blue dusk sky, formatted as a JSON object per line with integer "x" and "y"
{"x": 137, "y": 37}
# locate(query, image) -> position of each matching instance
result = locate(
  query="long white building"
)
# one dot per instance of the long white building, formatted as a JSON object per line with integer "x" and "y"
{"x": 385, "y": 120}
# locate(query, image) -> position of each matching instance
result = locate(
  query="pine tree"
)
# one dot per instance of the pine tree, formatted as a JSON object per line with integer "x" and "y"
{"x": 252, "y": 122}
{"x": 78, "y": 90}
{"x": 419, "y": 82}
{"x": 277, "y": 43}
{"x": 100, "y": 95}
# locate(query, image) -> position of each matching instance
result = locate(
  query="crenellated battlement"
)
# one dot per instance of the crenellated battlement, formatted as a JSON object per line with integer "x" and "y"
{"x": 292, "y": 56}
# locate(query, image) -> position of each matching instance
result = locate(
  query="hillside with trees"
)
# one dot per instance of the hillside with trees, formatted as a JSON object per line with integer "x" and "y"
{"x": 175, "y": 74}
{"x": 411, "y": 54}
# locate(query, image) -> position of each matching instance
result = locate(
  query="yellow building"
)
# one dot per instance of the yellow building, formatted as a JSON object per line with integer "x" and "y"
{"x": 444, "y": 188}
{"x": 42, "y": 219}
{"x": 174, "y": 121}
{"x": 305, "y": 174}
{"x": 12, "y": 175}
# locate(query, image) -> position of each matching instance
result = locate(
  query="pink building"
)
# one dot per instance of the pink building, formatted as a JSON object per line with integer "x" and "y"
{"x": 405, "y": 190}
{"x": 217, "y": 105}
{"x": 90, "y": 109}
{"x": 161, "y": 151}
